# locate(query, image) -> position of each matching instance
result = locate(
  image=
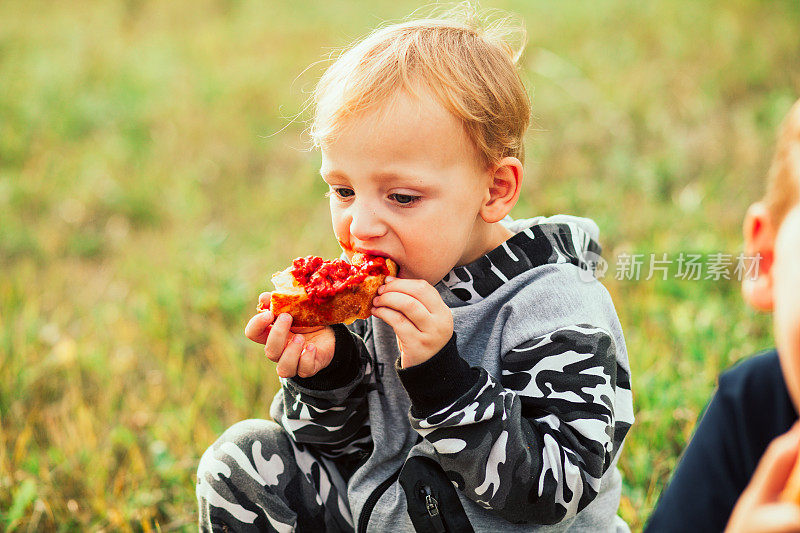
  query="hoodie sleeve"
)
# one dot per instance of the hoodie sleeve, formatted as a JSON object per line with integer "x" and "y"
{"x": 533, "y": 445}
{"x": 328, "y": 411}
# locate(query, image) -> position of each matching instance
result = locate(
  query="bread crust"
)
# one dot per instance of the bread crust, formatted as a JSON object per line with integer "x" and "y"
{"x": 344, "y": 307}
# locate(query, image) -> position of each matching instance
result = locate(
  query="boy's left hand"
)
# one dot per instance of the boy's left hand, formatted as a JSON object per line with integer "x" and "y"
{"x": 420, "y": 319}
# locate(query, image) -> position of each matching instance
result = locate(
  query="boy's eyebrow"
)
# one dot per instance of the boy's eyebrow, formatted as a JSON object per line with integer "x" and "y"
{"x": 331, "y": 174}
{"x": 379, "y": 176}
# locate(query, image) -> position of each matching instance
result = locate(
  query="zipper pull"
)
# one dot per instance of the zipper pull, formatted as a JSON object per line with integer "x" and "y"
{"x": 432, "y": 506}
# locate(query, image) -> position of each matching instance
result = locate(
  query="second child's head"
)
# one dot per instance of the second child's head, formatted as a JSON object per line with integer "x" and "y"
{"x": 772, "y": 230}
{"x": 420, "y": 127}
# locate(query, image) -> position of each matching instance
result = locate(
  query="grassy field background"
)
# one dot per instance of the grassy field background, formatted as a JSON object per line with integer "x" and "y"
{"x": 152, "y": 177}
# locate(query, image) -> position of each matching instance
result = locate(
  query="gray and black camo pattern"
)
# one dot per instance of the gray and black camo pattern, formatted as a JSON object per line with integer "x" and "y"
{"x": 530, "y": 441}
{"x": 536, "y": 444}
{"x": 257, "y": 479}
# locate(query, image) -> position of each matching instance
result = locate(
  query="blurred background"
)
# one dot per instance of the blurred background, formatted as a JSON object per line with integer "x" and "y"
{"x": 154, "y": 173}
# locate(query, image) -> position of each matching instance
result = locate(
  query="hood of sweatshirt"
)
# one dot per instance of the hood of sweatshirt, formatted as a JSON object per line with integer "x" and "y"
{"x": 536, "y": 242}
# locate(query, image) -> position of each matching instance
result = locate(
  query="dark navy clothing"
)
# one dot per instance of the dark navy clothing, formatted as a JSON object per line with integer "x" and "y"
{"x": 750, "y": 408}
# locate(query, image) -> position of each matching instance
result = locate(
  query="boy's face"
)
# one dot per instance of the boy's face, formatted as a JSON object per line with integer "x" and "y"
{"x": 777, "y": 287}
{"x": 406, "y": 183}
{"x": 786, "y": 290}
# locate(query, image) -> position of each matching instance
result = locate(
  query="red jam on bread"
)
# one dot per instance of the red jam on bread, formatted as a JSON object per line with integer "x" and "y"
{"x": 318, "y": 292}
{"x": 323, "y": 280}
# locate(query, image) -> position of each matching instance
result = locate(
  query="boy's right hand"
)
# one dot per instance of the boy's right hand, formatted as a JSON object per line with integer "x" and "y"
{"x": 758, "y": 508}
{"x": 297, "y": 351}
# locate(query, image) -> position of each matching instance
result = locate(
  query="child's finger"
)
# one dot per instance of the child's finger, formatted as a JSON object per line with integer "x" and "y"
{"x": 409, "y": 306}
{"x": 778, "y": 518}
{"x": 774, "y": 467}
{"x": 400, "y": 323}
{"x": 278, "y": 336}
{"x": 419, "y": 289}
{"x": 306, "y": 365}
{"x": 257, "y": 329}
{"x": 287, "y": 365}
{"x": 309, "y": 329}
{"x": 263, "y": 299}
{"x": 322, "y": 358}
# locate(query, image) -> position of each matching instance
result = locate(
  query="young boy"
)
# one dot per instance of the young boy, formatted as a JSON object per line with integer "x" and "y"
{"x": 490, "y": 388}
{"x": 758, "y": 399}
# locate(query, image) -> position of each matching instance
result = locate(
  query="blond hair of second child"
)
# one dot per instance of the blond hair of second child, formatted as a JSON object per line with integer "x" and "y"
{"x": 742, "y": 451}
{"x": 490, "y": 388}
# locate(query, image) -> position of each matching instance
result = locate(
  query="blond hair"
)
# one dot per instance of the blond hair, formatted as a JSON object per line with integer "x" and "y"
{"x": 783, "y": 181}
{"x": 471, "y": 70}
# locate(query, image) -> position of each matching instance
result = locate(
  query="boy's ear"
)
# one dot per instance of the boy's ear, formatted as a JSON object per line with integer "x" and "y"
{"x": 759, "y": 239}
{"x": 505, "y": 182}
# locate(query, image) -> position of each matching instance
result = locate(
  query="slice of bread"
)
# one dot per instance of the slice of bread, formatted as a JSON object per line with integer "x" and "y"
{"x": 345, "y": 306}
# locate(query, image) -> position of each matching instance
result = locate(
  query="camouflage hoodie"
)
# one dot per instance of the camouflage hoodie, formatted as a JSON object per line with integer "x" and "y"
{"x": 525, "y": 410}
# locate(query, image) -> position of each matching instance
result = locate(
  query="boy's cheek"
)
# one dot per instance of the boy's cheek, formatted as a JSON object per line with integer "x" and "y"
{"x": 786, "y": 291}
{"x": 787, "y": 341}
{"x": 787, "y": 318}
{"x": 786, "y": 274}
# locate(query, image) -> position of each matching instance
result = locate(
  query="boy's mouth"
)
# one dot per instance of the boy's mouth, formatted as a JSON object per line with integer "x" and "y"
{"x": 376, "y": 253}
{"x": 349, "y": 251}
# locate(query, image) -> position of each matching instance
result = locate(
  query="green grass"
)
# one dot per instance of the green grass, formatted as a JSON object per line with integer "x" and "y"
{"x": 151, "y": 178}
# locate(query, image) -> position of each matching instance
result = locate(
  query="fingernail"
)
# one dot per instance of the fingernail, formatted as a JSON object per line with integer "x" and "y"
{"x": 311, "y": 347}
{"x": 285, "y": 317}
{"x": 389, "y": 278}
{"x": 298, "y": 339}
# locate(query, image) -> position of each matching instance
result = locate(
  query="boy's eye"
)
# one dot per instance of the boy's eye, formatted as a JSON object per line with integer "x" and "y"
{"x": 404, "y": 199}
{"x": 341, "y": 192}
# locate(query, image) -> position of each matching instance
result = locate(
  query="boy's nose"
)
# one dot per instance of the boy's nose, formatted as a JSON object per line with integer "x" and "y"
{"x": 365, "y": 223}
